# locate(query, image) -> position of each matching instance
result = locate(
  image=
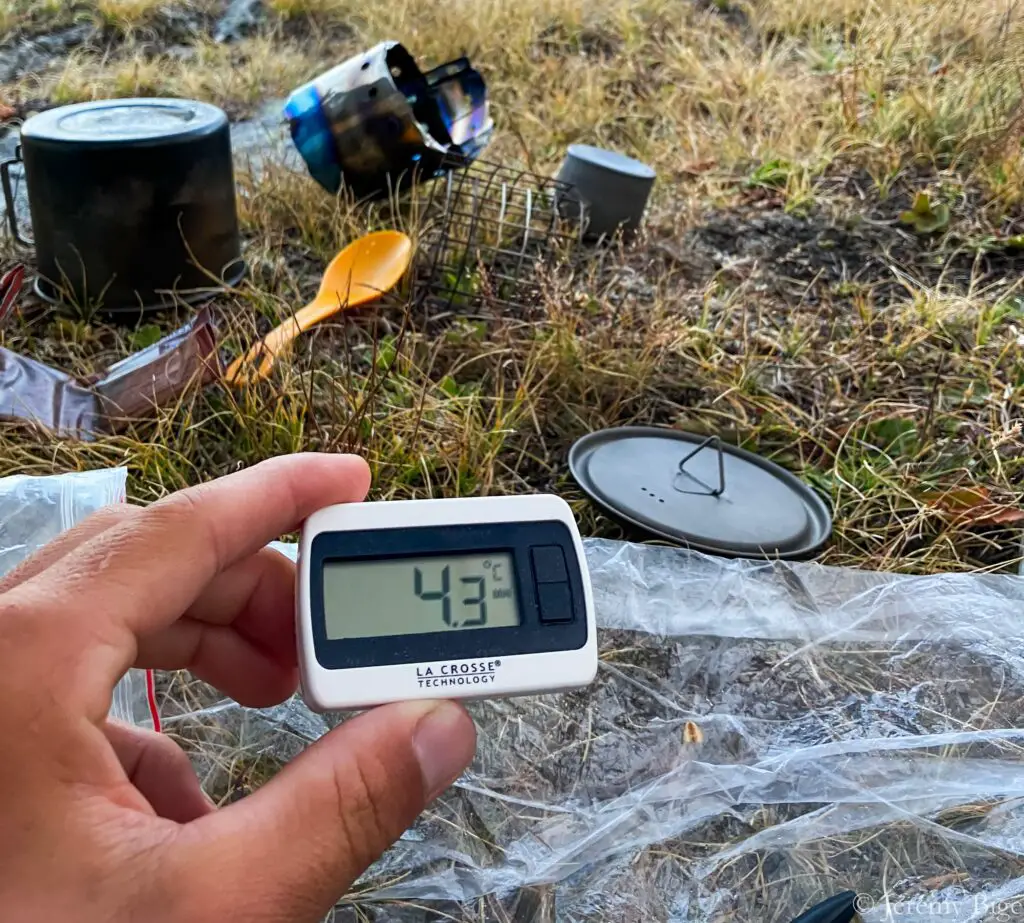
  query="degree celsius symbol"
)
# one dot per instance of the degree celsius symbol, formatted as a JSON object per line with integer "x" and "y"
{"x": 495, "y": 570}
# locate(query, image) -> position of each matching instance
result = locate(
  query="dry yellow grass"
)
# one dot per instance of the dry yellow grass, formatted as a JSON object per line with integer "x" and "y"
{"x": 127, "y": 12}
{"x": 293, "y": 9}
{"x": 788, "y": 137}
{"x": 677, "y": 83}
{"x": 237, "y": 76}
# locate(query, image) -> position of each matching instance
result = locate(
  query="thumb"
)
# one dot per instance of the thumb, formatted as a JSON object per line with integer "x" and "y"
{"x": 291, "y": 849}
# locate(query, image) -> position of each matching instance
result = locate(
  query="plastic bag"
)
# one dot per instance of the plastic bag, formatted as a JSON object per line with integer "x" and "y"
{"x": 760, "y": 736}
{"x": 34, "y": 511}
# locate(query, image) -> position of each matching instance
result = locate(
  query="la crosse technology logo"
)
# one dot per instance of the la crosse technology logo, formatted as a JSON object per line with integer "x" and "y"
{"x": 465, "y": 673}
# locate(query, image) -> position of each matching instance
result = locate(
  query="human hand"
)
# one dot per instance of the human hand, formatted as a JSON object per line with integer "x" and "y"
{"x": 104, "y": 822}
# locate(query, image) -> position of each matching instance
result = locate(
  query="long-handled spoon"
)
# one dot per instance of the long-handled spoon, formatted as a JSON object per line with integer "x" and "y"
{"x": 362, "y": 272}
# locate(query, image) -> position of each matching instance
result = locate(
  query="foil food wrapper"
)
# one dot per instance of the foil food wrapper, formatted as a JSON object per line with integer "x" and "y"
{"x": 376, "y": 122}
{"x": 35, "y": 393}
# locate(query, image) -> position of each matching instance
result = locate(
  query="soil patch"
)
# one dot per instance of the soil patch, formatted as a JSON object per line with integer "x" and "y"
{"x": 840, "y": 246}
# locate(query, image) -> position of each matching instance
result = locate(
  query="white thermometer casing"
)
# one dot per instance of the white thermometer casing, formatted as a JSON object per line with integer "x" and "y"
{"x": 553, "y": 649}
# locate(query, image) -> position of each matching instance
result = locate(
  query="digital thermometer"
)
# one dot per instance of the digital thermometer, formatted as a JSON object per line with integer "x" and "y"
{"x": 460, "y": 598}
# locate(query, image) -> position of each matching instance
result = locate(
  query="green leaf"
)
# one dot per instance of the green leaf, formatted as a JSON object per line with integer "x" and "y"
{"x": 145, "y": 336}
{"x": 990, "y": 242}
{"x": 385, "y": 354}
{"x": 774, "y": 174}
{"x": 893, "y": 435}
{"x": 465, "y": 331}
{"x": 73, "y": 331}
{"x": 925, "y": 217}
{"x": 1013, "y": 242}
{"x": 938, "y": 219}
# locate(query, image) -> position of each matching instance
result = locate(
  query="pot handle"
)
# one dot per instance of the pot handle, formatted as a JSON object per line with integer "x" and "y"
{"x": 5, "y": 181}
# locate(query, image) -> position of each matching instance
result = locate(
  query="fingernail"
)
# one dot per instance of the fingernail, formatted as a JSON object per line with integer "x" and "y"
{"x": 444, "y": 742}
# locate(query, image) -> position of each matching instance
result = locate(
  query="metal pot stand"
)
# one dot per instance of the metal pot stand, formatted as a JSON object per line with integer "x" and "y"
{"x": 46, "y": 290}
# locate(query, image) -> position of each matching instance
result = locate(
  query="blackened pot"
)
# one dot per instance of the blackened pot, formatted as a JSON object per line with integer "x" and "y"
{"x": 132, "y": 203}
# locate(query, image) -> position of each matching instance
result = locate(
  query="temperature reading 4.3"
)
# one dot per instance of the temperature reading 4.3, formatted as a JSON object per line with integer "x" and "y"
{"x": 474, "y": 591}
{"x": 471, "y": 596}
{"x": 419, "y": 595}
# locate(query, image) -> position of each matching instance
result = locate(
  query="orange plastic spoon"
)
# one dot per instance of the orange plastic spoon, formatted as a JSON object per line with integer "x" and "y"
{"x": 366, "y": 269}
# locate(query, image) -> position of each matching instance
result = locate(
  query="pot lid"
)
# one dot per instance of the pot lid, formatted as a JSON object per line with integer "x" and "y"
{"x": 696, "y": 491}
{"x": 611, "y": 161}
{"x": 125, "y": 122}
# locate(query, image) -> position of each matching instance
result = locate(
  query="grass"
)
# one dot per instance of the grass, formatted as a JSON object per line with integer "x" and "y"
{"x": 775, "y": 297}
{"x": 236, "y": 78}
{"x": 127, "y": 12}
{"x": 830, "y": 115}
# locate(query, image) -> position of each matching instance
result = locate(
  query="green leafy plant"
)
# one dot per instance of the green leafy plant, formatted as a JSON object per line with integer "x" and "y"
{"x": 990, "y": 243}
{"x": 386, "y": 354}
{"x": 145, "y": 336}
{"x": 894, "y": 436}
{"x": 74, "y": 330}
{"x": 774, "y": 174}
{"x": 925, "y": 216}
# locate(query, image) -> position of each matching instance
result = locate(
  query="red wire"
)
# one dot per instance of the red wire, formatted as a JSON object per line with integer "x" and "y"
{"x": 154, "y": 712}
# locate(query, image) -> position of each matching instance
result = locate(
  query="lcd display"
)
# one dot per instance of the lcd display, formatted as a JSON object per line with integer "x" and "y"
{"x": 407, "y": 596}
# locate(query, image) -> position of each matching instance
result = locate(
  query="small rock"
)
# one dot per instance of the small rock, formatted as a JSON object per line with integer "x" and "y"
{"x": 26, "y": 56}
{"x": 241, "y": 17}
{"x": 180, "y": 52}
{"x": 62, "y": 40}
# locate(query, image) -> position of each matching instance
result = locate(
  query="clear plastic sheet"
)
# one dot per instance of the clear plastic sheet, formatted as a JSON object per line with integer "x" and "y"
{"x": 34, "y": 511}
{"x": 760, "y": 736}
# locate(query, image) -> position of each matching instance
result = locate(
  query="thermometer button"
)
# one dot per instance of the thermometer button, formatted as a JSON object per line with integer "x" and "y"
{"x": 548, "y": 564}
{"x": 555, "y": 602}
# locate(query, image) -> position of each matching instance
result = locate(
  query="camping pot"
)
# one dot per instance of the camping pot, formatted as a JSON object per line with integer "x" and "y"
{"x": 613, "y": 187}
{"x": 132, "y": 204}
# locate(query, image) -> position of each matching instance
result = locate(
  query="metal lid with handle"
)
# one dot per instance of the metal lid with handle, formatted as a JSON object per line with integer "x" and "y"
{"x": 697, "y": 491}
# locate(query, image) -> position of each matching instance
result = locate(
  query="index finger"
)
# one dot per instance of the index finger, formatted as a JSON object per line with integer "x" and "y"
{"x": 141, "y": 575}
